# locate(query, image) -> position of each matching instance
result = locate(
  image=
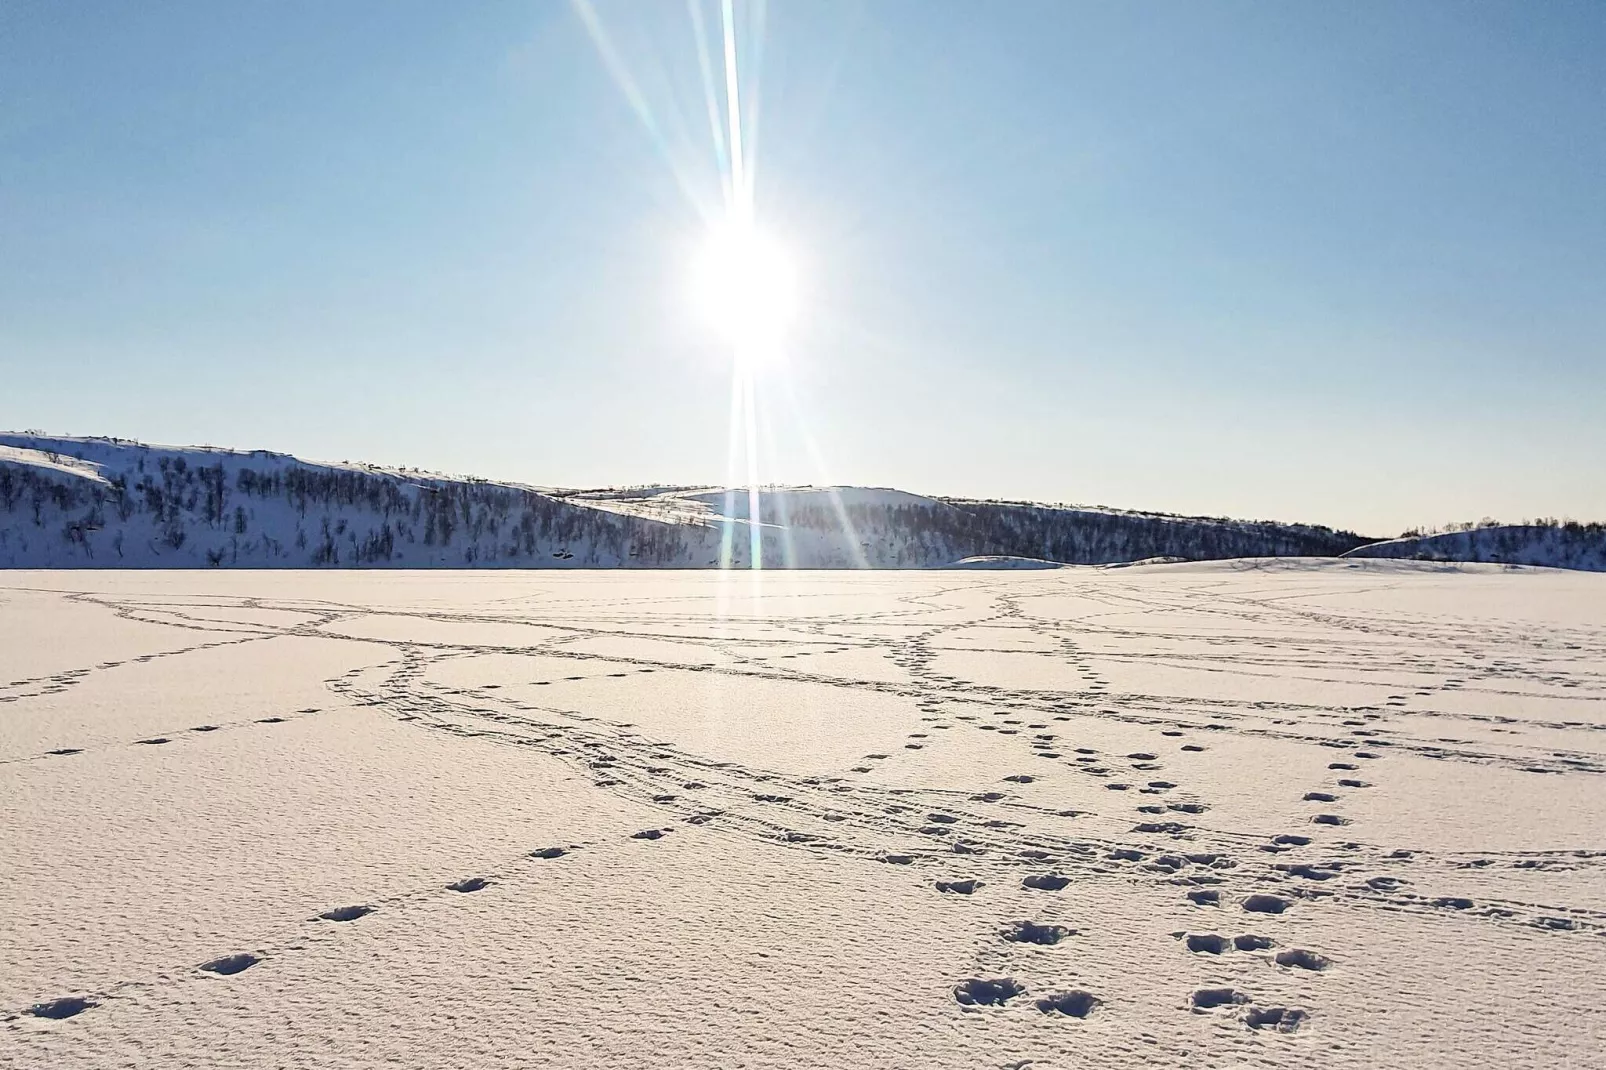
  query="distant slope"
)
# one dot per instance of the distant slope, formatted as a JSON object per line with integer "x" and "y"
{"x": 1571, "y": 545}
{"x": 107, "y": 503}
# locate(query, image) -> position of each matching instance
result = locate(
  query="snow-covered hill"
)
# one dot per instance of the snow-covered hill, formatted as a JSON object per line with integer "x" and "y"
{"x": 1570, "y": 545}
{"x": 110, "y": 503}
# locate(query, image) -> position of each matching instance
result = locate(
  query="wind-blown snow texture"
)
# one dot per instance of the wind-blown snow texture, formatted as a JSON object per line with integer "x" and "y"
{"x": 102, "y": 503}
{"x": 1578, "y": 546}
{"x": 1335, "y": 814}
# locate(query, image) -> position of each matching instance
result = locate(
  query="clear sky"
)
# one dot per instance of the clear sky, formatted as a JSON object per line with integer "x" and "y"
{"x": 1343, "y": 263}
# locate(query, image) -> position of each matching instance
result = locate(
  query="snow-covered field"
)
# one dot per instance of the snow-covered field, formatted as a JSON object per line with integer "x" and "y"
{"x": 1313, "y": 814}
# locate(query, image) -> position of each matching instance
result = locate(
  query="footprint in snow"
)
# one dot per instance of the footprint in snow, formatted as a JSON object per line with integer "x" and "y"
{"x": 978, "y": 991}
{"x": 1073, "y": 1004}
{"x": 1030, "y": 932}
{"x": 1207, "y": 943}
{"x": 65, "y": 1007}
{"x": 1282, "y": 1019}
{"x": 962, "y": 887}
{"x": 229, "y": 965}
{"x": 1205, "y": 999}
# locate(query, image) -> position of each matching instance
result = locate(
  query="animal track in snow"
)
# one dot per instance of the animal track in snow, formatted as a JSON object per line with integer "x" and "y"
{"x": 978, "y": 991}
{"x": 1045, "y": 882}
{"x": 961, "y": 887}
{"x": 1204, "y": 999}
{"x": 1283, "y": 1019}
{"x": 1261, "y": 903}
{"x": 1304, "y": 960}
{"x": 1030, "y": 932}
{"x": 1073, "y": 1004}
{"x": 351, "y": 913}
{"x": 65, "y": 1007}
{"x": 229, "y": 965}
{"x": 469, "y": 884}
{"x": 1207, "y": 943}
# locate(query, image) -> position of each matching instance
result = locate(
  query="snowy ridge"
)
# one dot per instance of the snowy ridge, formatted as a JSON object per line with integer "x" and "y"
{"x": 109, "y": 503}
{"x": 51, "y": 462}
{"x": 1570, "y": 545}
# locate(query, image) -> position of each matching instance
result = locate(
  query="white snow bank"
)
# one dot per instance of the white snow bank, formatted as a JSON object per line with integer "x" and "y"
{"x": 51, "y": 462}
{"x": 998, "y": 561}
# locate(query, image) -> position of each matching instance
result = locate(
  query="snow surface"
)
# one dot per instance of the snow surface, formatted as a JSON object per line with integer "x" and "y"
{"x": 1307, "y": 813}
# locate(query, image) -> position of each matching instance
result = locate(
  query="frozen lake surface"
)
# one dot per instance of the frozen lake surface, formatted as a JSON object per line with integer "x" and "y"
{"x": 1302, "y": 813}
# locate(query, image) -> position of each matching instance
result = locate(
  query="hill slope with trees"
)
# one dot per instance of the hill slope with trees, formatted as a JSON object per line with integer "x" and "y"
{"x": 112, "y": 503}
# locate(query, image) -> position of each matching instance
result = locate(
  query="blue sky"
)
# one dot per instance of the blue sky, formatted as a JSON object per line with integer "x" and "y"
{"x": 1343, "y": 263}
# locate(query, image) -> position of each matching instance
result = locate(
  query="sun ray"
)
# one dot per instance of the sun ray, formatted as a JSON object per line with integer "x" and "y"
{"x": 617, "y": 69}
{"x": 741, "y": 206}
{"x": 733, "y": 440}
{"x": 783, "y": 511}
{"x": 705, "y": 66}
{"x": 850, "y": 536}
{"x": 755, "y": 527}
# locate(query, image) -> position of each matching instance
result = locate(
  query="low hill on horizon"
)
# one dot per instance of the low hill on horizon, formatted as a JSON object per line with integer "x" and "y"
{"x": 1568, "y": 545}
{"x": 69, "y": 502}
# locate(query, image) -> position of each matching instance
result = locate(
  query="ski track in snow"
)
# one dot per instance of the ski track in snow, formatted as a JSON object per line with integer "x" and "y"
{"x": 1285, "y": 855}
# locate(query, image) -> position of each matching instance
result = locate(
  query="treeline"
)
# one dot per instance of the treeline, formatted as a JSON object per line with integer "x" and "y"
{"x": 1074, "y": 536}
{"x": 1566, "y": 544}
{"x": 1594, "y": 527}
{"x": 155, "y": 507}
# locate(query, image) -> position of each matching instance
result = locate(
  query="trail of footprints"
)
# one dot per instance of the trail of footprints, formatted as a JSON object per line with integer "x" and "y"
{"x": 965, "y": 848}
{"x": 239, "y": 962}
{"x": 849, "y": 812}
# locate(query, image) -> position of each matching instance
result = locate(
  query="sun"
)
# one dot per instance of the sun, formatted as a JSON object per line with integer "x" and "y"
{"x": 744, "y": 284}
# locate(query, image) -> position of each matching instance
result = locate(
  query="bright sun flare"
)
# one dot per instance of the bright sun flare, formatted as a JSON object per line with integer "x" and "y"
{"x": 744, "y": 284}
